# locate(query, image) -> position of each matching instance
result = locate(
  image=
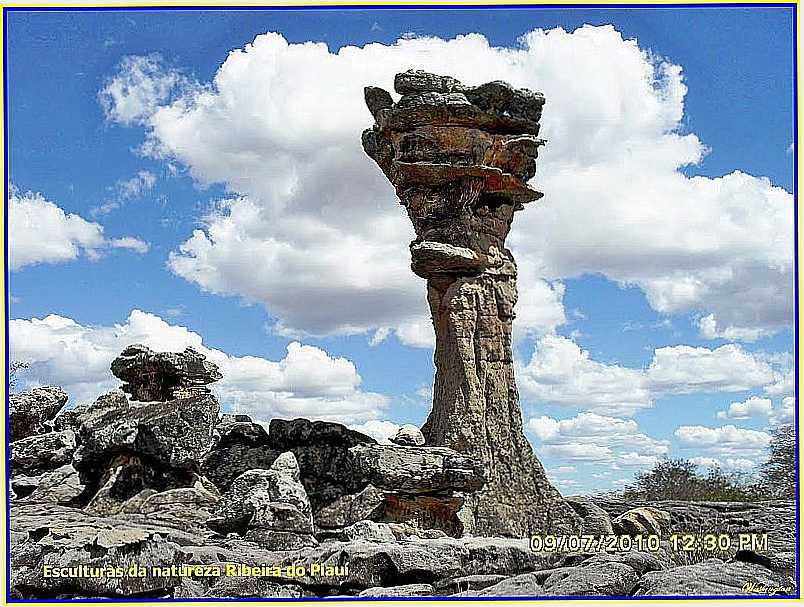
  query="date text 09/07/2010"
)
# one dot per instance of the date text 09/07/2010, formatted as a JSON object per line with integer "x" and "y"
{"x": 676, "y": 542}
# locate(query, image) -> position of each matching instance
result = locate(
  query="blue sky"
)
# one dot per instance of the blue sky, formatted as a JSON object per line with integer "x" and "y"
{"x": 89, "y": 127}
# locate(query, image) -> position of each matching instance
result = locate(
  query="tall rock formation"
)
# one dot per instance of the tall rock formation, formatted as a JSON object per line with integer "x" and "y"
{"x": 460, "y": 158}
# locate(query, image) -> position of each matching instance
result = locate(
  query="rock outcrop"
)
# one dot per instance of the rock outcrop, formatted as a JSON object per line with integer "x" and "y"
{"x": 378, "y": 565}
{"x": 460, "y": 158}
{"x": 268, "y": 507}
{"x": 117, "y": 486}
{"x": 164, "y": 376}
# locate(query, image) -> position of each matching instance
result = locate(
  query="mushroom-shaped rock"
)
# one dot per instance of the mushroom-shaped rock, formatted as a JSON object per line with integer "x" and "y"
{"x": 460, "y": 159}
{"x": 163, "y": 376}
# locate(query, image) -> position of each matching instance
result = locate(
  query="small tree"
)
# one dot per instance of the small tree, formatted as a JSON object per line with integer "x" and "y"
{"x": 778, "y": 473}
{"x": 678, "y": 479}
{"x": 670, "y": 479}
{"x": 14, "y": 368}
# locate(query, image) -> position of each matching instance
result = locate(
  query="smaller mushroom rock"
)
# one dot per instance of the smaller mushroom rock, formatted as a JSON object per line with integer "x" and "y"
{"x": 162, "y": 376}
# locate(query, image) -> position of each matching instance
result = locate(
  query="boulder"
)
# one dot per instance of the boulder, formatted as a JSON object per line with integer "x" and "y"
{"x": 321, "y": 449}
{"x": 196, "y": 502}
{"x": 59, "y": 486}
{"x": 409, "y": 435}
{"x": 416, "y": 470}
{"x": 164, "y": 376}
{"x": 368, "y": 531}
{"x": 348, "y": 509}
{"x": 125, "y": 477}
{"x": 644, "y": 520}
{"x": 269, "y": 507}
{"x": 42, "y": 451}
{"x": 175, "y": 433}
{"x": 593, "y": 579}
{"x": 28, "y": 411}
{"x": 595, "y": 520}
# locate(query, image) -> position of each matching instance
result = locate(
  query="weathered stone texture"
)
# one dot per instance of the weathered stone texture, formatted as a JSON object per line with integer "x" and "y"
{"x": 163, "y": 376}
{"x": 460, "y": 158}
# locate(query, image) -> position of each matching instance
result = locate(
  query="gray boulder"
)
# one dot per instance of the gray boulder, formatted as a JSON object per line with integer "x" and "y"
{"x": 595, "y": 579}
{"x": 321, "y": 449}
{"x": 348, "y": 509}
{"x": 368, "y": 531}
{"x": 269, "y": 507}
{"x": 59, "y": 486}
{"x": 42, "y": 451}
{"x": 196, "y": 502}
{"x": 416, "y": 470}
{"x": 28, "y": 411}
{"x": 176, "y": 434}
{"x": 409, "y": 435}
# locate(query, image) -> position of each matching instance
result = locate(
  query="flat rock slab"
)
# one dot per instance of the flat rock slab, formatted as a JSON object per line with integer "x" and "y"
{"x": 713, "y": 577}
{"x": 413, "y": 470}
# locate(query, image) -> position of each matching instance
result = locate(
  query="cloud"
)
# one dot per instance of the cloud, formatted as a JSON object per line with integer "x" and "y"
{"x": 140, "y": 85}
{"x": 752, "y": 407}
{"x": 786, "y": 413}
{"x": 559, "y": 371}
{"x": 280, "y": 127}
{"x": 589, "y": 437}
{"x": 125, "y": 190}
{"x": 307, "y": 382}
{"x": 379, "y": 430}
{"x": 783, "y": 384}
{"x": 41, "y": 232}
{"x": 728, "y": 464}
{"x": 708, "y": 329}
{"x": 724, "y": 441}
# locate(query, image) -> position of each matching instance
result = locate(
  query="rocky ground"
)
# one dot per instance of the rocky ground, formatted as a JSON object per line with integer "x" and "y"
{"x": 168, "y": 498}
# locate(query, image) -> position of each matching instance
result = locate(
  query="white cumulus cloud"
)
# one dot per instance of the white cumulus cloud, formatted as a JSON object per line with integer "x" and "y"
{"x": 280, "y": 126}
{"x": 561, "y": 372}
{"x": 42, "y": 232}
{"x": 307, "y": 382}
{"x": 596, "y": 438}
{"x": 724, "y": 441}
{"x": 751, "y": 407}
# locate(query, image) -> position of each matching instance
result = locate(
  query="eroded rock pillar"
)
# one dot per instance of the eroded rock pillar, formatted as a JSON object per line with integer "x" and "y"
{"x": 460, "y": 158}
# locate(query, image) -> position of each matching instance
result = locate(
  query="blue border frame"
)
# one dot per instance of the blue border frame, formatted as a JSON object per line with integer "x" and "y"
{"x": 8, "y": 9}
